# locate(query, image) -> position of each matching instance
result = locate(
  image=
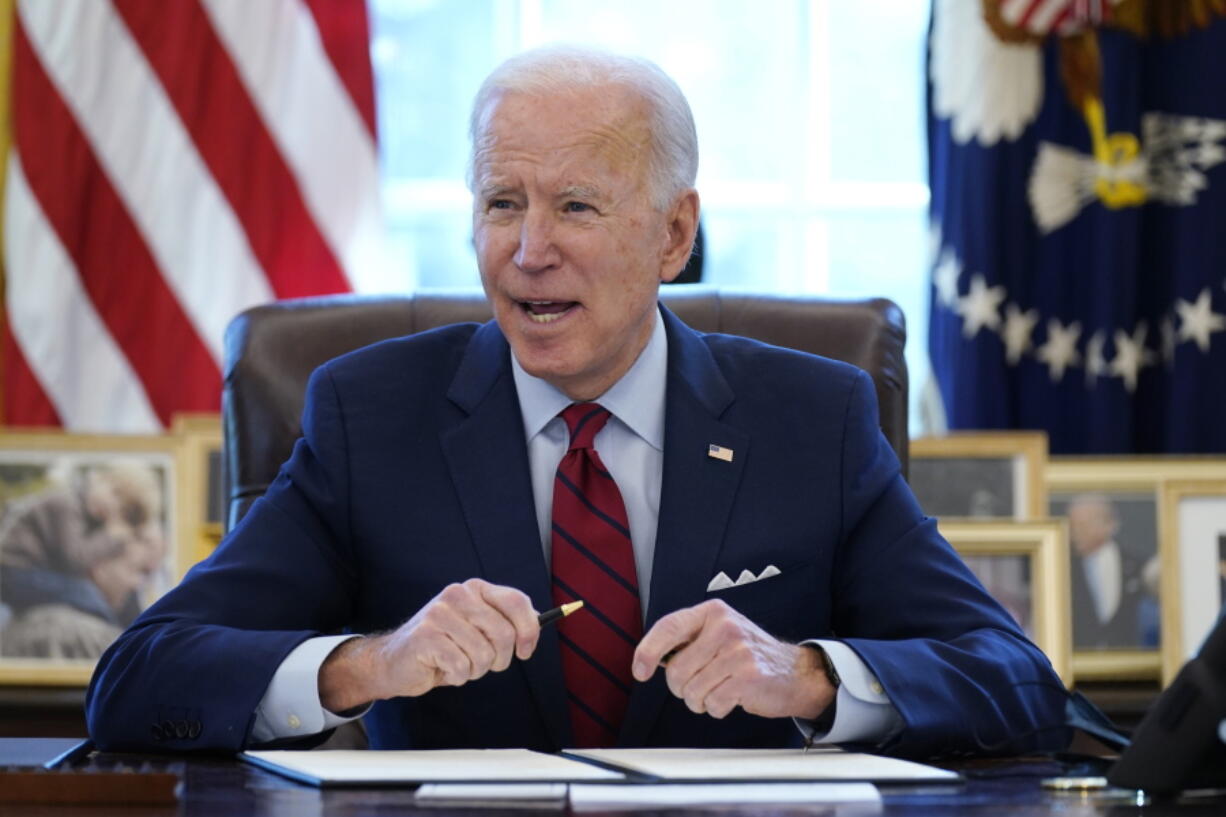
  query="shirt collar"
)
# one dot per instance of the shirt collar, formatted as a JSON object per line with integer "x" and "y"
{"x": 637, "y": 399}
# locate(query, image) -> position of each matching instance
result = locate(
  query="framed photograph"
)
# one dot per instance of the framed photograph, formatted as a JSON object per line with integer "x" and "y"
{"x": 1023, "y": 566}
{"x": 204, "y": 487}
{"x": 91, "y": 533}
{"x": 1115, "y": 513}
{"x": 981, "y": 475}
{"x": 1193, "y": 559}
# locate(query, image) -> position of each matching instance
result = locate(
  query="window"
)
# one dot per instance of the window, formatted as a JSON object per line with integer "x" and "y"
{"x": 810, "y": 125}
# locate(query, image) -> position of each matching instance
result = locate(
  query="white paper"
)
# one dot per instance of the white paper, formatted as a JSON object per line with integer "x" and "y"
{"x": 417, "y": 766}
{"x": 826, "y": 763}
{"x": 598, "y": 796}
{"x": 497, "y": 794}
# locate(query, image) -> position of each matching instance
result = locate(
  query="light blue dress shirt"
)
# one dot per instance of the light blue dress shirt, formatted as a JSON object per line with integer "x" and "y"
{"x": 631, "y": 445}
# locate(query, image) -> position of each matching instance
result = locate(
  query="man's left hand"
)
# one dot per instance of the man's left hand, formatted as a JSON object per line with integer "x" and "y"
{"x": 723, "y": 660}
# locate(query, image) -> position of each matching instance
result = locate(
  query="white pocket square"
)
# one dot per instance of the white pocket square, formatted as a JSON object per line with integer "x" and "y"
{"x": 722, "y": 581}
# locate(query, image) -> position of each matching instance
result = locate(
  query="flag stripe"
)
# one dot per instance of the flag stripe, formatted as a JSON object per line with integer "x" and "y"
{"x": 206, "y": 91}
{"x": 165, "y": 184}
{"x": 111, "y": 261}
{"x": 154, "y": 169}
{"x": 1043, "y": 18}
{"x": 344, "y": 30}
{"x": 1014, "y": 11}
{"x": 25, "y": 401}
{"x": 277, "y": 50}
{"x": 87, "y": 397}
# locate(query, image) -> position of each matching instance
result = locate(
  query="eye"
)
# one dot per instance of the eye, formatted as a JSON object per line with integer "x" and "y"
{"x": 577, "y": 207}
{"x": 501, "y": 204}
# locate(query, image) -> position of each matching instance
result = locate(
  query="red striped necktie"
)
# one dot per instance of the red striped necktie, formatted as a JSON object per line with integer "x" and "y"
{"x": 593, "y": 561}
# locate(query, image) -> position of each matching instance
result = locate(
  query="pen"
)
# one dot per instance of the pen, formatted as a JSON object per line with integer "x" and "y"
{"x": 558, "y": 613}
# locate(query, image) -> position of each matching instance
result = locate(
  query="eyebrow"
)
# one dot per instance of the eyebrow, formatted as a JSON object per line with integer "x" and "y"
{"x": 579, "y": 191}
{"x": 494, "y": 190}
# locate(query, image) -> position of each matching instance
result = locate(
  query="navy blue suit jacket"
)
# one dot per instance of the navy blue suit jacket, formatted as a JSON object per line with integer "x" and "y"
{"x": 412, "y": 473}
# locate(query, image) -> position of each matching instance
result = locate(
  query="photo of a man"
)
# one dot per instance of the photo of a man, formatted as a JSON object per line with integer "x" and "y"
{"x": 1113, "y": 579}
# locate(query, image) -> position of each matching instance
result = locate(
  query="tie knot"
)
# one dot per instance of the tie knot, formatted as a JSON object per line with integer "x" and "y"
{"x": 584, "y": 421}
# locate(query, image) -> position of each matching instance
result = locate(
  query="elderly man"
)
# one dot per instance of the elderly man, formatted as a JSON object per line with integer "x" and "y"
{"x": 1108, "y": 589}
{"x": 756, "y": 570}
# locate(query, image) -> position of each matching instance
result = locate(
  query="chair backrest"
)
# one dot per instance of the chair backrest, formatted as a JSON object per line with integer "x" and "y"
{"x": 271, "y": 350}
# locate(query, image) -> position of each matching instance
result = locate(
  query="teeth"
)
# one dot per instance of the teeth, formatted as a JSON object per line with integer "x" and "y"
{"x": 543, "y": 317}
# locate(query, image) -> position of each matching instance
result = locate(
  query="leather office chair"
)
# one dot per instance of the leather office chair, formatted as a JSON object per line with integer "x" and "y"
{"x": 271, "y": 350}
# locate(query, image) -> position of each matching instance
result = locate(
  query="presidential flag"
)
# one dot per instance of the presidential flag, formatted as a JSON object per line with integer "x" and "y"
{"x": 171, "y": 164}
{"x": 1077, "y": 159}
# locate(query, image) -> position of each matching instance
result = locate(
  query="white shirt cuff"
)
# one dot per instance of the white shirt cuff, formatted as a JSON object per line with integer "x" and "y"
{"x": 863, "y": 712}
{"x": 290, "y": 707}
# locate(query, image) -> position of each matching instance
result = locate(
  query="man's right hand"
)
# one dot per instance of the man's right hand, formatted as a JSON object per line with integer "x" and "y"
{"x": 464, "y": 632}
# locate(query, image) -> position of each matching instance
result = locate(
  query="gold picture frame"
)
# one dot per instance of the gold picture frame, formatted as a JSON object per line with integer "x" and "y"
{"x": 202, "y": 441}
{"x": 1192, "y": 551}
{"x": 92, "y": 532}
{"x": 981, "y": 475}
{"x": 1133, "y": 486}
{"x": 1037, "y": 594}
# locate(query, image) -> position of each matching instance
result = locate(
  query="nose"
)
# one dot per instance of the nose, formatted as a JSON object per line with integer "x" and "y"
{"x": 537, "y": 250}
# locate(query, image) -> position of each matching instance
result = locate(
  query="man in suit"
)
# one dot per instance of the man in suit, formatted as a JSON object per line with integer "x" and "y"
{"x": 1108, "y": 590}
{"x": 757, "y": 571}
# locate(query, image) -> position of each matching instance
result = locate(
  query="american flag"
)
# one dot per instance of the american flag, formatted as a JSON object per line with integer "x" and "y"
{"x": 171, "y": 164}
{"x": 1043, "y": 17}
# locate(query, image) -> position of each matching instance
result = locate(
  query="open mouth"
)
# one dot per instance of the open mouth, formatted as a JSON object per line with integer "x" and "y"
{"x": 546, "y": 311}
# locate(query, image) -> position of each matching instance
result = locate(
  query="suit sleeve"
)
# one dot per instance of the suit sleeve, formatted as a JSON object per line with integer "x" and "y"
{"x": 191, "y": 670}
{"x": 953, "y": 662}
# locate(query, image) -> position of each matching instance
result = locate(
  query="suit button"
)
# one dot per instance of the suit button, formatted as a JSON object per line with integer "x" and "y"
{"x": 156, "y": 731}
{"x": 193, "y": 730}
{"x": 181, "y": 730}
{"x": 168, "y": 729}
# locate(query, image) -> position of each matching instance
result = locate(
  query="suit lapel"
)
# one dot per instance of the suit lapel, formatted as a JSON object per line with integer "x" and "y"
{"x": 488, "y": 459}
{"x": 695, "y": 498}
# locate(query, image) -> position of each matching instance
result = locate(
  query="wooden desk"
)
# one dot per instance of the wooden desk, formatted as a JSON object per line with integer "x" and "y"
{"x": 225, "y": 788}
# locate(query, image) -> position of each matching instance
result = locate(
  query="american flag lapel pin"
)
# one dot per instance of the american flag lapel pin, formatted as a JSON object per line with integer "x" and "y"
{"x": 718, "y": 452}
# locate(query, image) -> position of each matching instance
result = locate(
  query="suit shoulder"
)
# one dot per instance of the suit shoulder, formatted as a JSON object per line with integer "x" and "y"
{"x": 417, "y": 354}
{"x": 745, "y": 361}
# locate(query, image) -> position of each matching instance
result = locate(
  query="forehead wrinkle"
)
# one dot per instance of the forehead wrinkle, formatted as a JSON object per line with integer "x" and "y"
{"x": 614, "y": 129}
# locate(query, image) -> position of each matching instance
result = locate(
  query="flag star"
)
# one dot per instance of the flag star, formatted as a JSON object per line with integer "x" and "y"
{"x": 1131, "y": 356}
{"x": 1198, "y": 321}
{"x": 980, "y": 307}
{"x": 1018, "y": 328}
{"x": 1096, "y": 364}
{"x": 1060, "y": 350}
{"x": 945, "y": 279}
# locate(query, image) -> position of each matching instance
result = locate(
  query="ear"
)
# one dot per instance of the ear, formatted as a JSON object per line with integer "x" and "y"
{"x": 682, "y": 226}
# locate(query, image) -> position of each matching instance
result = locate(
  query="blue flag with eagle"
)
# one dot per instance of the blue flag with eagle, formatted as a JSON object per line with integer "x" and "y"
{"x": 1077, "y": 160}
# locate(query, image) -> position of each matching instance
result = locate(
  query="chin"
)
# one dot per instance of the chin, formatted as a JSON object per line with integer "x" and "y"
{"x": 553, "y": 371}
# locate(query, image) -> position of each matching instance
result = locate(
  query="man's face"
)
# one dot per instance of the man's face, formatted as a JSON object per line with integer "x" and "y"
{"x": 1092, "y": 524}
{"x": 570, "y": 249}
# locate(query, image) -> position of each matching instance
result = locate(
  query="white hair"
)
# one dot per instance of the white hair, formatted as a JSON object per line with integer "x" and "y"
{"x": 673, "y": 164}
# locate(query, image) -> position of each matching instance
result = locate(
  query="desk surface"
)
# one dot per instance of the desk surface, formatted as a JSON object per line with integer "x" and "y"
{"x": 219, "y": 787}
